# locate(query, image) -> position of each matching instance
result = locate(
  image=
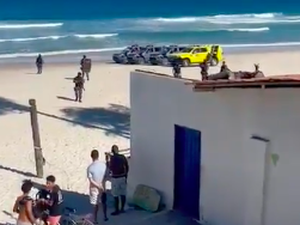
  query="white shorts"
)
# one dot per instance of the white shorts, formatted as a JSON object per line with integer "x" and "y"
{"x": 95, "y": 196}
{"x": 118, "y": 186}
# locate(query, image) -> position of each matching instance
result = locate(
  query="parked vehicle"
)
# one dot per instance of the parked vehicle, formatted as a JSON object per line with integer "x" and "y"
{"x": 121, "y": 57}
{"x": 144, "y": 56}
{"x": 161, "y": 58}
{"x": 197, "y": 54}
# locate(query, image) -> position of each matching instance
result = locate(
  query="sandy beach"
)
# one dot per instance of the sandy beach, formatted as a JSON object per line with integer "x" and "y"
{"x": 70, "y": 130}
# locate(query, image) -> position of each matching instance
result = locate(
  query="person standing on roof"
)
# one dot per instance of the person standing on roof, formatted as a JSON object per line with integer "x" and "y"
{"x": 204, "y": 69}
{"x": 224, "y": 67}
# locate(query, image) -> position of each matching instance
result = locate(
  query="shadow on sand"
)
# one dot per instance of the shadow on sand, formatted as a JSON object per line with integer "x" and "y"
{"x": 13, "y": 170}
{"x": 114, "y": 120}
{"x": 8, "y": 106}
{"x": 65, "y": 98}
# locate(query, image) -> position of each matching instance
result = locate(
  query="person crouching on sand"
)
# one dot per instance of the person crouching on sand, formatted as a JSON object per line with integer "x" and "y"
{"x": 79, "y": 87}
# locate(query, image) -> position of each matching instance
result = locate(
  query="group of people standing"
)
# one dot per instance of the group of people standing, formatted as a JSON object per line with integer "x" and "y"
{"x": 78, "y": 80}
{"x": 47, "y": 204}
{"x": 114, "y": 169}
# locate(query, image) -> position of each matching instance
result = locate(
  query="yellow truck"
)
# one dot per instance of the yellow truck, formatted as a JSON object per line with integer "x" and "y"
{"x": 197, "y": 54}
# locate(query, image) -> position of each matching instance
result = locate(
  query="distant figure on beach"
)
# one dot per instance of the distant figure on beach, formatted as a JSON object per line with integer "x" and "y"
{"x": 39, "y": 64}
{"x": 96, "y": 174}
{"x": 119, "y": 168}
{"x": 85, "y": 67}
{"x": 79, "y": 86}
{"x": 204, "y": 69}
{"x": 23, "y": 206}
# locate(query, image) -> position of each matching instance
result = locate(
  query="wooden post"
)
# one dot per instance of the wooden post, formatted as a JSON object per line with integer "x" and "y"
{"x": 39, "y": 160}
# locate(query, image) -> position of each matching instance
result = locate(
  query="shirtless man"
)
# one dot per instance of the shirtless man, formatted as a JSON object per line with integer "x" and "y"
{"x": 96, "y": 174}
{"x": 23, "y": 206}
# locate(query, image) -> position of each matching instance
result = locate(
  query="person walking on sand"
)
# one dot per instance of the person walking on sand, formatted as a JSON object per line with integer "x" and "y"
{"x": 96, "y": 175}
{"x": 119, "y": 168}
{"x": 79, "y": 87}
{"x": 39, "y": 64}
{"x": 83, "y": 69}
{"x": 23, "y": 206}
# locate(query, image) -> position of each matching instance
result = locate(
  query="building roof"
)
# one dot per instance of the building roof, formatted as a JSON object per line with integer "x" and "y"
{"x": 275, "y": 81}
{"x": 278, "y": 81}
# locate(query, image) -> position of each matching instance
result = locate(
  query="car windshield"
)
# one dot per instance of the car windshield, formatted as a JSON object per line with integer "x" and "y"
{"x": 125, "y": 50}
{"x": 186, "y": 50}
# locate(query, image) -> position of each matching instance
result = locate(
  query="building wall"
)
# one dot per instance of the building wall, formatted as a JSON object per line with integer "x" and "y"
{"x": 231, "y": 164}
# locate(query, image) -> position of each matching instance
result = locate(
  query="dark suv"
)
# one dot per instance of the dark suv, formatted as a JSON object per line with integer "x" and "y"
{"x": 161, "y": 58}
{"x": 144, "y": 56}
{"x": 121, "y": 57}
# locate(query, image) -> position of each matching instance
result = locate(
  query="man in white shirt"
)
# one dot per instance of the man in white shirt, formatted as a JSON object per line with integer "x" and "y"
{"x": 96, "y": 174}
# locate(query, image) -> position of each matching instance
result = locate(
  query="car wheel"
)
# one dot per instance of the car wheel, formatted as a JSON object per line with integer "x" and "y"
{"x": 165, "y": 62}
{"x": 186, "y": 62}
{"x": 141, "y": 60}
{"x": 214, "y": 62}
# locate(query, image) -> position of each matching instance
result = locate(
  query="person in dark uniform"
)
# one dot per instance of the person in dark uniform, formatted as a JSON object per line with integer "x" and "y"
{"x": 224, "y": 67}
{"x": 176, "y": 68}
{"x": 84, "y": 73}
{"x": 204, "y": 69}
{"x": 39, "y": 64}
{"x": 79, "y": 87}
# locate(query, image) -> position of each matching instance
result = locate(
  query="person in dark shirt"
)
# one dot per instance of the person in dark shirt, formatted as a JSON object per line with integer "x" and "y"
{"x": 79, "y": 87}
{"x": 224, "y": 67}
{"x": 119, "y": 168}
{"x": 176, "y": 67}
{"x": 39, "y": 64}
{"x": 54, "y": 201}
{"x": 82, "y": 67}
{"x": 204, "y": 69}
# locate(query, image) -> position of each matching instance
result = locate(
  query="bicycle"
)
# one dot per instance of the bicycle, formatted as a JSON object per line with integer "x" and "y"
{"x": 69, "y": 217}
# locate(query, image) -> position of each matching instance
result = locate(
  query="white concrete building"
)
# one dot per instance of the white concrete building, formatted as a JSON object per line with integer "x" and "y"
{"x": 229, "y": 154}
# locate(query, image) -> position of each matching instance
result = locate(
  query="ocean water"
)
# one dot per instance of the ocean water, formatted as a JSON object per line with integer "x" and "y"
{"x": 75, "y": 27}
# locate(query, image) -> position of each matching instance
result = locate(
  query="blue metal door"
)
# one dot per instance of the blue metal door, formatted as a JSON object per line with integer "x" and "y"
{"x": 187, "y": 171}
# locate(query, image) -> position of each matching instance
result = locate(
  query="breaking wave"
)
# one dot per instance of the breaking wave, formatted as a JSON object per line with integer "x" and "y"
{"x": 33, "y": 25}
{"x": 262, "y": 18}
{"x": 259, "y": 29}
{"x": 95, "y": 35}
{"x": 81, "y": 36}
{"x": 63, "y": 52}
